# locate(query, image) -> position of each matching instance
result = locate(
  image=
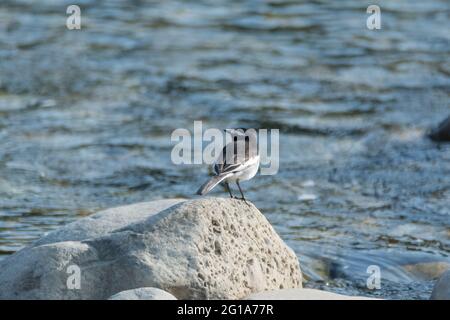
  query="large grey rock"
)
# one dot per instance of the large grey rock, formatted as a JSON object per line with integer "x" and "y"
{"x": 441, "y": 290}
{"x": 302, "y": 294}
{"x": 200, "y": 249}
{"x": 104, "y": 222}
{"x": 143, "y": 294}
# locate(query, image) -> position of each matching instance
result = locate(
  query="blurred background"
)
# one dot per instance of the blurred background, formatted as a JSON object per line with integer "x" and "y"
{"x": 86, "y": 117}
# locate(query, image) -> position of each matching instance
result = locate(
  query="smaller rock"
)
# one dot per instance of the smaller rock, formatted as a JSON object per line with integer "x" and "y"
{"x": 441, "y": 290}
{"x": 442, "y": 132}
{"x": 148, "y": 293}
{"x": 427, "y": 270}
{"x": 302, "y": 294}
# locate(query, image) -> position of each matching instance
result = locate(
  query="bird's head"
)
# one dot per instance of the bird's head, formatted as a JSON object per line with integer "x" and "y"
{"x": 237, "y": 133}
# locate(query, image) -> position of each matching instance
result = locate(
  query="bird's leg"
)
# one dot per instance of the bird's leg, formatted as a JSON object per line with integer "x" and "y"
{"x": 240, "y": 190}
{"x": 227, "y": 185}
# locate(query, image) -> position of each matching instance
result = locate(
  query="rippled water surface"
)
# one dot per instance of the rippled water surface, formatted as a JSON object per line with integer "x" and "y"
{"x": 86, "y": 118}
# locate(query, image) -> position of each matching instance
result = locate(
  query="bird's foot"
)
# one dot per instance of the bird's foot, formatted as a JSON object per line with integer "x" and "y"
{"x": 243, "y": 200}
{"x": 240, "y": 198}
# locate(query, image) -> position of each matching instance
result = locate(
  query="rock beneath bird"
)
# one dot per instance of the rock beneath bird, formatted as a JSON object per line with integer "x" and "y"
{"x": 442, "y": 132}
{"x": 143, "y": 294}
{"x": 106, "y": 221}
{"x": 441, "y": 290}
{"x": 211, "y": 248}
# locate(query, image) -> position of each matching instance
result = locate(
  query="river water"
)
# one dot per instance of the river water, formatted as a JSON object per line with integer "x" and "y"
{"x": 86, "y": 117}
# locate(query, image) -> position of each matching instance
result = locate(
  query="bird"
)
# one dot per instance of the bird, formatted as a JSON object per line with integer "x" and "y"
{"x": 238, "y": 161}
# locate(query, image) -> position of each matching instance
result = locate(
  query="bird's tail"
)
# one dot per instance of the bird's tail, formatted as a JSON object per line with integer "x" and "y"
{"x": 211, "y": 183}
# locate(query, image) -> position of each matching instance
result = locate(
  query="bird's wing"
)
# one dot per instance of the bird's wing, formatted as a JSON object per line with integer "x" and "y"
{"x": 230, "y": 160}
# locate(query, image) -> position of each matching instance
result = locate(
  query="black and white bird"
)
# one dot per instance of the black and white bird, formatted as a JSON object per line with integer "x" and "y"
{"x": 238, "y": 161}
